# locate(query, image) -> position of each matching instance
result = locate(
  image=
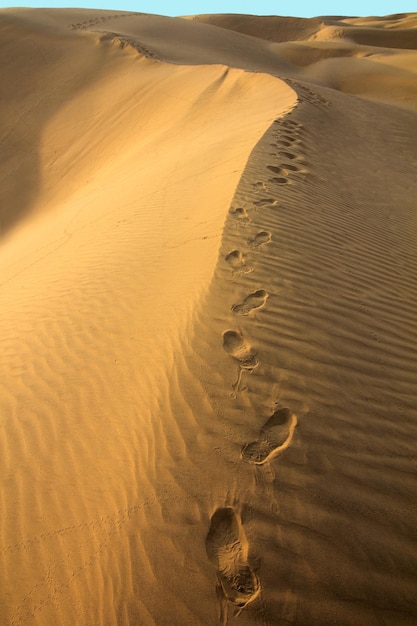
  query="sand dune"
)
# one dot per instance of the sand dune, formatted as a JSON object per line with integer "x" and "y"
{"x": 208, "y": 274}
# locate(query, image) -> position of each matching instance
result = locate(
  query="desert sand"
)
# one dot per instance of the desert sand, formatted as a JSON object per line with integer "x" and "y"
{"x": 208, "y": 332}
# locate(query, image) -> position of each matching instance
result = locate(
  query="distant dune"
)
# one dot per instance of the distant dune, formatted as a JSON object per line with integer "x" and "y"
{"x": 208, "y": 333}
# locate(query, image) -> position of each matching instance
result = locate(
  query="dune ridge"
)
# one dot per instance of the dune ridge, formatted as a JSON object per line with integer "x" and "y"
{"x": 208, "y": 333}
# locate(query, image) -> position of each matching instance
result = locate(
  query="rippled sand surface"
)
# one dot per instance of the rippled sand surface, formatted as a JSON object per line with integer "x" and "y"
{"x": 208, "y": 333}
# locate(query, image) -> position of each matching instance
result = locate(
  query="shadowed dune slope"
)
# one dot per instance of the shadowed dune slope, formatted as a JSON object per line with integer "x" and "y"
{"x": 269, "y": 28}
{"x": 208, "y": 275}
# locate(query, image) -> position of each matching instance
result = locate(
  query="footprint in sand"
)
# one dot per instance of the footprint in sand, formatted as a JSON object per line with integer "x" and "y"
{"x": 285, "y": 140}
{"x": 290, "y": 168}
{"x": 290, "y": 124}
{"x": 240, "y": 214}
{"x": 259, "y": 185}
{"x": 236, "y": 260}
{"x": 254, "y": 301}
{"x": 279, "y": 180}
{"x": 227, "y": 550}
{"x": 260, "y": 239}
{"x": 274, "y": 437}
{"x": 277, "y": 170}
{"x": 241, "y": 352}
{"x": 236, "y": 346}
{"x": 288, "y": 155}
{"x": 265, "y": 202}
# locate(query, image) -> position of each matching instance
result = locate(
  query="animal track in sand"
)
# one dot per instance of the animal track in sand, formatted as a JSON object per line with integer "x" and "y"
{"x": 274, "y": 437}
{"x": 227, "y": 550}
{"x": 236, "y": 260}
{"x": 254, "y": 301}
{"x": 260, "y": 239}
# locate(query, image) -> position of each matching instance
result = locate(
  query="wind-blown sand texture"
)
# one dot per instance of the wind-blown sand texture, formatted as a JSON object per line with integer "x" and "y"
{"x": 208, "y": 332}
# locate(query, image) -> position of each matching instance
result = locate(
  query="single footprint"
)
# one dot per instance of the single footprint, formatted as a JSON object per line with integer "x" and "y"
{"x": 288, "y": 137}
{"x": 265, "y": 202}
{"x": 260, "y": 239}
{"x": 318, "y": 98}
{"x": 274, "y": 437}
{"x": 289, "y": 167}
{"x": 277, "y": 170}
{"x": 235, "y": 345}
{"x": 240, "y": 351}
{"x": 240, "y": 214}
{"x": 291, "y": 125}
{"x": 288, "y": 155}
{"x": 227, "y": 550}
{"x": 255, "y": 300}
{"x": 236, "y": 260}
{"x": 279, "y": 180}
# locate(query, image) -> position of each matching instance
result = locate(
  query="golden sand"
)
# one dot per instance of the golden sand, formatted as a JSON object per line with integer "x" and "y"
{"x": 208, "y": 333}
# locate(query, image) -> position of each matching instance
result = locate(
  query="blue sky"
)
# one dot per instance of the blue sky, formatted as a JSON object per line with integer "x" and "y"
{"x": 301, "y": 8}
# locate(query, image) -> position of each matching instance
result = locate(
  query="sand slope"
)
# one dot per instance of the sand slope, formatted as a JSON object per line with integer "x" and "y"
{"x": 208, "y": 276}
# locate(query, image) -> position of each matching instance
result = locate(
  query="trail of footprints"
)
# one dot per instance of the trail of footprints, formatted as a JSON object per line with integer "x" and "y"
{"x": 122, "y": 41}
{"x": 288, "y": 152}
{"x": 226, "y": 544}
{"x": 88, "y": 24}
